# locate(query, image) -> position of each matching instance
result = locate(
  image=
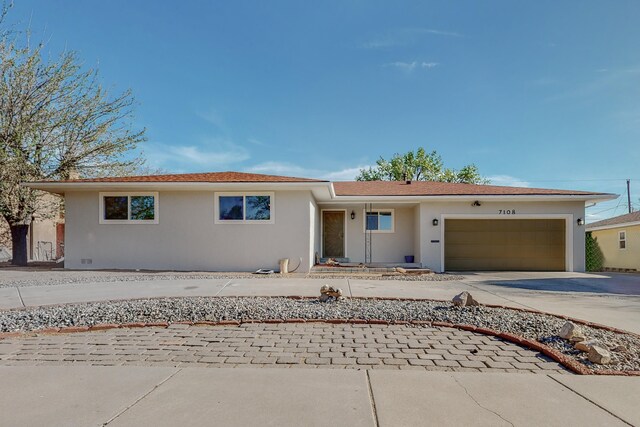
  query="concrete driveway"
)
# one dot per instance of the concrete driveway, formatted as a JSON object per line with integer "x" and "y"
{"x": 596, "y": 283}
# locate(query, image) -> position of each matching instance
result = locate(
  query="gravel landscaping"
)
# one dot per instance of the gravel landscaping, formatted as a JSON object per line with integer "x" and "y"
{"x": 72, "y": 277}
{"x": 541, "y": 327}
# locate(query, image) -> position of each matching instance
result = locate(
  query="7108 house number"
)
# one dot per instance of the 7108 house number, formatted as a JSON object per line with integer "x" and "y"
{"x": 506, "y": 211}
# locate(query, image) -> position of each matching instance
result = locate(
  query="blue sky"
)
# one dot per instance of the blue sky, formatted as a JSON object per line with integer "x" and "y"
{"x": 541, "y": 93}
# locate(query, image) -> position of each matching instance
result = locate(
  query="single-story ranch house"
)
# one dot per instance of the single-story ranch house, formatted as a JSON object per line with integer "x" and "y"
{"x": 231, "y": 221}
{"x": 619, "y": 240}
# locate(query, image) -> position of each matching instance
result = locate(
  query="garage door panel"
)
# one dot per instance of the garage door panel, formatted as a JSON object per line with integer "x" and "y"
{"x": 505, "y": 244}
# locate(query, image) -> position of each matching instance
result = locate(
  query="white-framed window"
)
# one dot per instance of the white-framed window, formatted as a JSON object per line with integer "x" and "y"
{"x": 622, "y": 239}
{"x": 244, "y": 208}
{"x": 379, "y": 221}
{"x": 128, "y": 208}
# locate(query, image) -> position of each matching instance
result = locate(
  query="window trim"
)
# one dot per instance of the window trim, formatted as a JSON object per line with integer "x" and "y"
{"x": 620, "y": 232}
{"x": 393, "y": 221}
{"x": 129, "y": 194}
{"x": 244, "y": 195}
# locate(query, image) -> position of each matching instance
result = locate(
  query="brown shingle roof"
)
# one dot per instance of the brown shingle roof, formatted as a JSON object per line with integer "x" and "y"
{"x": 201, "y": 177}
{"x": 430, "y": 188}
{"x": 616, "y": 220}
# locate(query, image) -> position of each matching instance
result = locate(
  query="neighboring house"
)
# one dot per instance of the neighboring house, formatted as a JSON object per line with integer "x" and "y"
{"x": 619, "y": 241}
{"x": 235, "y": 221}
{"x": 45, "y": 239}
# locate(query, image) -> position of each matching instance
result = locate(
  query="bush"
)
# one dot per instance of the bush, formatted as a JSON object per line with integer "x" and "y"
{"x": 594, "y": 255}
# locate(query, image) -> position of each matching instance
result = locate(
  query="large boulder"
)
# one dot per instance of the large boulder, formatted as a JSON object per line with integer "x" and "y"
{"x": 464, "y": 299}
{"x": 587, "y": 344}
{"x": 570, "y": 331}
{"x": 599, "y": 355}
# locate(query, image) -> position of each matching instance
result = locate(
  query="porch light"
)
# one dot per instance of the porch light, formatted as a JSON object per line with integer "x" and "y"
{"x": 435, "y": 222}
{"x": 580, "y": 221}
{"x": 353, "y": 215}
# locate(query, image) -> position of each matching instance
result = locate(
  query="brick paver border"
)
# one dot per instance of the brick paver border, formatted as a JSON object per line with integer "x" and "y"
{"x": 306, "y": 345}
{"x": 550, "y": 352}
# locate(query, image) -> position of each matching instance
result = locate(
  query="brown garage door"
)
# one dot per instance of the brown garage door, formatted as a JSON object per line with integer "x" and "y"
{"x": 504, "y": 244}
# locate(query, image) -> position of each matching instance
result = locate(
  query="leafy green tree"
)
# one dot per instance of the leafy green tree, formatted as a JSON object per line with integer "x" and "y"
{"x": 419, "y": 166}
{"x": 56, "y": 122}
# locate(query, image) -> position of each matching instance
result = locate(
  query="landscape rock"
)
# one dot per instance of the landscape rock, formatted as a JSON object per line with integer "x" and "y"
{"x": 328, "y": 293}
{"x": 571, "y": 332}
{"x": 577, "y": 337}
{"x": 586, "y": 345}
{"x": 619, "y": 348}
{"x": 464, "y": 299}
{"x": 401, "y": 270}
{"x": 599, "y": 355}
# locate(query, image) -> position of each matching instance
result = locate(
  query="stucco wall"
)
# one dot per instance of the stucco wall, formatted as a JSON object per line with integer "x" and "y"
{"x": 386, "y": 247}
{"x": 431, "y": 251}
{"x": 615, "y": 257}
{"x": 186, "y": 237}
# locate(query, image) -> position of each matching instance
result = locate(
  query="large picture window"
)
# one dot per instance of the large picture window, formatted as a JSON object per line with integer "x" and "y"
{"x": 244, "y": 208}
{"x": 128, "y": 208}
{"x": 379, "y": 221}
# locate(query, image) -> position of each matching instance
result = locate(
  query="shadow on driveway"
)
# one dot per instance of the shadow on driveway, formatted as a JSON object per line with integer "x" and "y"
{"x": 600, "y": 283}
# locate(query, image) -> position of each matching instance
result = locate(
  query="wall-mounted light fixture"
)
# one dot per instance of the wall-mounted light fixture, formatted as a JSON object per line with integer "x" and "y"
{"x": 580, "y": 221}
{"x": 353, "y": 215}
{"x": 476, "y": 203}
{"x": 435, "y": 222}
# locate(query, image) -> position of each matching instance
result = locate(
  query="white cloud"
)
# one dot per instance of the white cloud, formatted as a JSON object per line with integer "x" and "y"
{"x": 411, "y": 66}
{"x": 348, "y": 174}
{"x": 288, "y": 169}
{"x": 212, "y": 154}
{"x": 406, "y": 36}
{"x": 508, "y": 181}
{"x": 256, "y": 141}
{"x": 434, "y": 32}
{"x": 280, "y": 168}
{"x": 214, "y": 117}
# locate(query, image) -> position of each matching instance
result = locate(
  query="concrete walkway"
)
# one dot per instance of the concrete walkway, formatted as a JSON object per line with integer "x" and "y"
{"x": 559, "y": 293}
{"x": 134, "y": 396}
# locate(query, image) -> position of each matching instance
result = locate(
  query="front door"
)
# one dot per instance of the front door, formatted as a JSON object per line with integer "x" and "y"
{"x": 333, "y": 234}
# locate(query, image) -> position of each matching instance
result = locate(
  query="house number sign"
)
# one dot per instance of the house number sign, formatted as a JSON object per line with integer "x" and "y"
{"x": 506, "y": 211}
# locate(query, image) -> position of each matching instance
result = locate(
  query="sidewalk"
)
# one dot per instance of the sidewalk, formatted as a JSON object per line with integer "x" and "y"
{"x": 133, "y": 396}
{"x": 615, "y": 310}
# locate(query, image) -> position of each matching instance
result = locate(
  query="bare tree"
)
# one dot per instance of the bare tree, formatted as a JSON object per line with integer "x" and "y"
{"x": 55, "y": 120}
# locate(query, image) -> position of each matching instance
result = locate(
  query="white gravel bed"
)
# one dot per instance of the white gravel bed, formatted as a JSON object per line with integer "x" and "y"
{"x": 47, "y": 278}
{"x": 541, "y": 327}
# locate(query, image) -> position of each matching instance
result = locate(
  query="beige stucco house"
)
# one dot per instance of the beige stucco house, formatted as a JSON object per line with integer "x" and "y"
{"x": 230, "y": 221}
{"x": 619, "y": 241}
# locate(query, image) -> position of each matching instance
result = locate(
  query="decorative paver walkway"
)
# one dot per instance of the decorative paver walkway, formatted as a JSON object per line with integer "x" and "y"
{"x": 304, "y": 345}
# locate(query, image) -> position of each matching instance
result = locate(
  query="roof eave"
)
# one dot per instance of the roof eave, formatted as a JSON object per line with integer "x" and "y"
{"x": 593, "y": 198}
{"x": 62, "y": 187}
{"x": 610, "y": 226}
